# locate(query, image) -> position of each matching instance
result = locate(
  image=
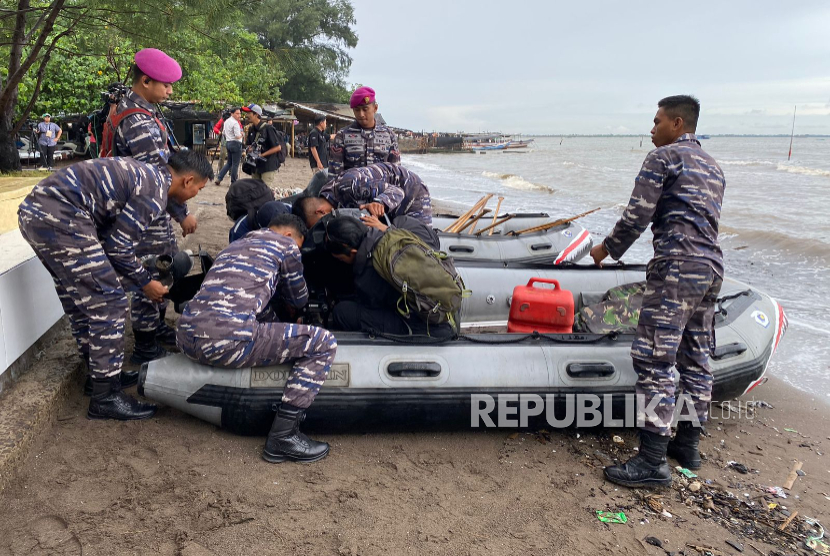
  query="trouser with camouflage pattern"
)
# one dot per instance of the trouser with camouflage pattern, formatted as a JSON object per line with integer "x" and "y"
{"x": 159, "y": 239}
{"x": 88, "y": 289}
{"x": 310, "y": 348}
{"x": 675, "y": 327}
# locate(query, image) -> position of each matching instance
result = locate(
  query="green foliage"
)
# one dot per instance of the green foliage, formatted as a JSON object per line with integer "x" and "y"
{"x": 311, "y": 39}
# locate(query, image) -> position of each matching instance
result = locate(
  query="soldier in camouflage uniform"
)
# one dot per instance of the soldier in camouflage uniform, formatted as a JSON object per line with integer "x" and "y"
{"x": 381, "y": 188}
{"x": 144, "y": 137}
{"x": 365, "y": 141}
{"x": 232, "y": 323}
{"x": 680, "y": 192}
{"x": 84, "y": 222}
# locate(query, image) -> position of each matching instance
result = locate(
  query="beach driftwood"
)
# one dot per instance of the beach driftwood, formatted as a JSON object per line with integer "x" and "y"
{"x": 788, "y": 484}
{"x": 549, "y": 225}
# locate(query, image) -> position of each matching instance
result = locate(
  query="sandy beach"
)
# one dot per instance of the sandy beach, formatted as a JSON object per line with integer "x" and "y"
{"x": 176, "y": 485}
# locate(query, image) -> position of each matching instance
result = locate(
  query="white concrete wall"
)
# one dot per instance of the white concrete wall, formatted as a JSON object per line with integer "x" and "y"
{"x": 29, "y": 305}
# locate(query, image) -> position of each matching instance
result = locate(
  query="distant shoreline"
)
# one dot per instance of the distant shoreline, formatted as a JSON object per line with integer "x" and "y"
{"x": 645, "y": 135}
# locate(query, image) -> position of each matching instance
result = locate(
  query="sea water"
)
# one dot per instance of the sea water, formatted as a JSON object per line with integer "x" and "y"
{"x": 775, "y": 225}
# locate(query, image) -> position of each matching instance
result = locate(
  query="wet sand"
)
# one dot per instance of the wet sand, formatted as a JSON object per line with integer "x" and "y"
{"x": 176, "y": 485}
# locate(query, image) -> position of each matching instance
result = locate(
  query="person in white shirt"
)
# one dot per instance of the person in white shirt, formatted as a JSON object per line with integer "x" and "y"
{"x": 232, "y": 133}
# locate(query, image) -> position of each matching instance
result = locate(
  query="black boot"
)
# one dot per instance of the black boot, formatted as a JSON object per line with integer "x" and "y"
{"x": 109, "y": 402}
{"x": 128, "y": 379}
{"x": 165, "y": 333}
{"x": 648, "y": 468}
{"x": 146, "y": 348}
{"x": 285, "y": 441}
{"x": 685, "y": 445}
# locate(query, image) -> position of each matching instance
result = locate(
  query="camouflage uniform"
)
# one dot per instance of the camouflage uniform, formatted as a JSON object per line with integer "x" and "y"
{"x": 83, "y": 223}
{"x": 139, "y": 136}
{"x": 619, "y": 311}
{"x": 680, "y": 191}
{"x": 355, "y": 147}
{"x": 230, "y": 322}
{"x": 402, "y": 192}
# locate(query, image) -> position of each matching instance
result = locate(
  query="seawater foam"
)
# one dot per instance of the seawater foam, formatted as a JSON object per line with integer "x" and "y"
{"x": 517, "y": 182}
{"x": 746, "y": 163}
{"x": 803, "y": 170}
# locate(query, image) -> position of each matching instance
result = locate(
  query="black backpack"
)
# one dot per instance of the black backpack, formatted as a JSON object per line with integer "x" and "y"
{"x": 245, "y": 196}
{"x": 283, "y": 147}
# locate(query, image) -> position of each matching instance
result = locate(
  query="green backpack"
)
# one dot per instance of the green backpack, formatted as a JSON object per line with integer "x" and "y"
{"x": 429, "y": 283}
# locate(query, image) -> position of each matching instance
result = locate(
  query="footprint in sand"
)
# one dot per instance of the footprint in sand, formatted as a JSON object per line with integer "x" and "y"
{"x": 48, "y": 534}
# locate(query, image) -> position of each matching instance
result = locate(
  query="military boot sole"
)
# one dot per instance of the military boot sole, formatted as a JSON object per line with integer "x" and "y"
{"x": 646, "y": 482}
{"x": 279, "y": 458}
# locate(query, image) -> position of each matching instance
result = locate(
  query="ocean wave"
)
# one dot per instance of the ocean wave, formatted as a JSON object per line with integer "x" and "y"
{"x": 772, "y": 240}
{"x": 747, "y": 163}
{"x": 517, "y": 182}
{"x": 803, "y": 170}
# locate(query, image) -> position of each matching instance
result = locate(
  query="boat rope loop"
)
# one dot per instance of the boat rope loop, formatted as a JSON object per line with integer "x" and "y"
{"x": 430, "y": 340}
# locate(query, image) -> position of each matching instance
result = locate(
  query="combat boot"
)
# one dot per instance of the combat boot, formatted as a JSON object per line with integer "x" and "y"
{"x": 286, "y": 442}
{"x": 146, "y": 348}
{"x": 128, "y": 379}
{"x": 647, "y": 468}
{"x": 109, "y": 402}
{"x": 685, "y": 447}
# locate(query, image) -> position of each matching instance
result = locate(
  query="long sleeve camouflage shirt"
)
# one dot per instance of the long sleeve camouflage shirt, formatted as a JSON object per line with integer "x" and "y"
{"x": 402, "y": 192}
{"x": 120, "y": 196}
{"x": 355, "y": 147}
{"x": 679, "y": 191}
{"x": 246, "y": 275}
{"x": 139, "y": 136}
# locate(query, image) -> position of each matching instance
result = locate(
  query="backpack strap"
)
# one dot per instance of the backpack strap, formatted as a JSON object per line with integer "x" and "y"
{"x": 116, "y": 117}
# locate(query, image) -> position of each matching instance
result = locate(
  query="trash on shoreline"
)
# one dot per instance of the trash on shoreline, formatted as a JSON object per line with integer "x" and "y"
{"x": 611, "y": 517}
{"x": 739, "y": 467}
{"x": 685, "y": 472}
{"x": 654, "y": 541}
{"x": 776, "y": 491}
{"x": 618, "y": 440}
{"x": 736, "y": 545}
{"x": 788, "y": 484}
{"x": 791, "y": 430}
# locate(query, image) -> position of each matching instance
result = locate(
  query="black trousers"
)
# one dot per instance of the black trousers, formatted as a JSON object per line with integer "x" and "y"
{"x": 350, "y": 316}
{"x": 47, "y": 155}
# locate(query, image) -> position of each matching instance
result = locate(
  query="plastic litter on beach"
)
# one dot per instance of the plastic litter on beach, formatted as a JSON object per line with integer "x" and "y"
{"x": 618, "y": 440}
{"x": 776, "y": 491}
{"x": 611, "y": 517}
{"x": 791, "y": 430}
{"x": 685, "y": 472}
{"x": 739, "y": 467}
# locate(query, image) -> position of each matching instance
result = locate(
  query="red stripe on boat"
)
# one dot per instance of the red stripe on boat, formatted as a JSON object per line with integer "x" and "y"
{"x": 572, "y": 246}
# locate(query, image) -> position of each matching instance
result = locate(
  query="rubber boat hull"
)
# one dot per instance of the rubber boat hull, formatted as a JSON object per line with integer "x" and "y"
{"x": 388, "y": 381}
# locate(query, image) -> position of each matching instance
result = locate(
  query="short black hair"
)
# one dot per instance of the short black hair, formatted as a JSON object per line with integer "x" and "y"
{"x": 289, "y": 221}
{"x": 319, "y": 118}
{"x": 686, "y": 107}
{"x": 343, "y": 234}
{"x": 303, "y": 206}
{"x": 183, "y": 162}
{"x": 137, "y": 73}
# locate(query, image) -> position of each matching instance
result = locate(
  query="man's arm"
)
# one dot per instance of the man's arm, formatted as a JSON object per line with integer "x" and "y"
{"x": 144, "y": 139}
{"x": 648, "y": 187}
{"x": 130, "y": 225}
{"x": 60, "y": 132}
{"x": 424, "y": 233}
{"x": 313, "y": 142}
{"x": 336, "y": 155}
{"x": 292, "y": 286}
{"x": 351, "y": 192}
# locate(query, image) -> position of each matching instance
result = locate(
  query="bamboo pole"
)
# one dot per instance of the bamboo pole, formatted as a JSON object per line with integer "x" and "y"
{"x": 474, "y": 220}
{"x": 553, "y": 224}
{"x": 496, "y": 214}
{"x": 453, "y": 228}
{"x": 494, "y": 224}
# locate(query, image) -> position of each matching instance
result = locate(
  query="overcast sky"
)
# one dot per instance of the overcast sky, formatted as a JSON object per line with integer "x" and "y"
{"x": 594, "y": 66}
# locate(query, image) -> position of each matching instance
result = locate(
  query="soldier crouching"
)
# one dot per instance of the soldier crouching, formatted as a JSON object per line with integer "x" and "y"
{"x": 232, "y": 323}
{"x": 114, "y": 199}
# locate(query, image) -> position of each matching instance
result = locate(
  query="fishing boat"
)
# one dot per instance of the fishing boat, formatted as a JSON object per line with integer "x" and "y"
{"x": 423, "y": 381}
{"x": 493, "y": 147}
{"x": 519, "y": 143}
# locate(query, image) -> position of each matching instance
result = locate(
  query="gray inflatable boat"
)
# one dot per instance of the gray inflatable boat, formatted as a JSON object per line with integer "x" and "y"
{"x": 425, "y": 380}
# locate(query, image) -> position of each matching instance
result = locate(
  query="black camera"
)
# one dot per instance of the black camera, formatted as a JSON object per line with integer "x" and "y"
{"x": 114, "y": 93}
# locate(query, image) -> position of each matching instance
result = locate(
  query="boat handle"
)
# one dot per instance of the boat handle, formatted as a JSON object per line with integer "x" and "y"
{"x": 590, "y": 370}
{"x": 540, "y": 246}
{"x": 728, "y": 350}
{"x": 414, "y": 369}
{"x": 461, "y": 248}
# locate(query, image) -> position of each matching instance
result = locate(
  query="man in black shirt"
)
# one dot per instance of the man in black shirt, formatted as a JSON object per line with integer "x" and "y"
{"x": 318, "y": 145}
{"x": 266, "y": 144}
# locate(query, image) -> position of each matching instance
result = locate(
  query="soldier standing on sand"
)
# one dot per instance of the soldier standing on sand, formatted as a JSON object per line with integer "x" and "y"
{"x": 84, "y": 223}
{"x": 364, "y": 141}
{"x": 232, "y": 323}
{"x": 680, "y": 191}
{"x": 142, "y": 136}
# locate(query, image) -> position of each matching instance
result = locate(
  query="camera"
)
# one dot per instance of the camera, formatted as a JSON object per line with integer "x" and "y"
{"x": 114, "y": 93}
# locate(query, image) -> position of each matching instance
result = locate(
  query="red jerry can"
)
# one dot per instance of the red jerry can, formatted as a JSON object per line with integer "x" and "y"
{"x": 541, "y": 309}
